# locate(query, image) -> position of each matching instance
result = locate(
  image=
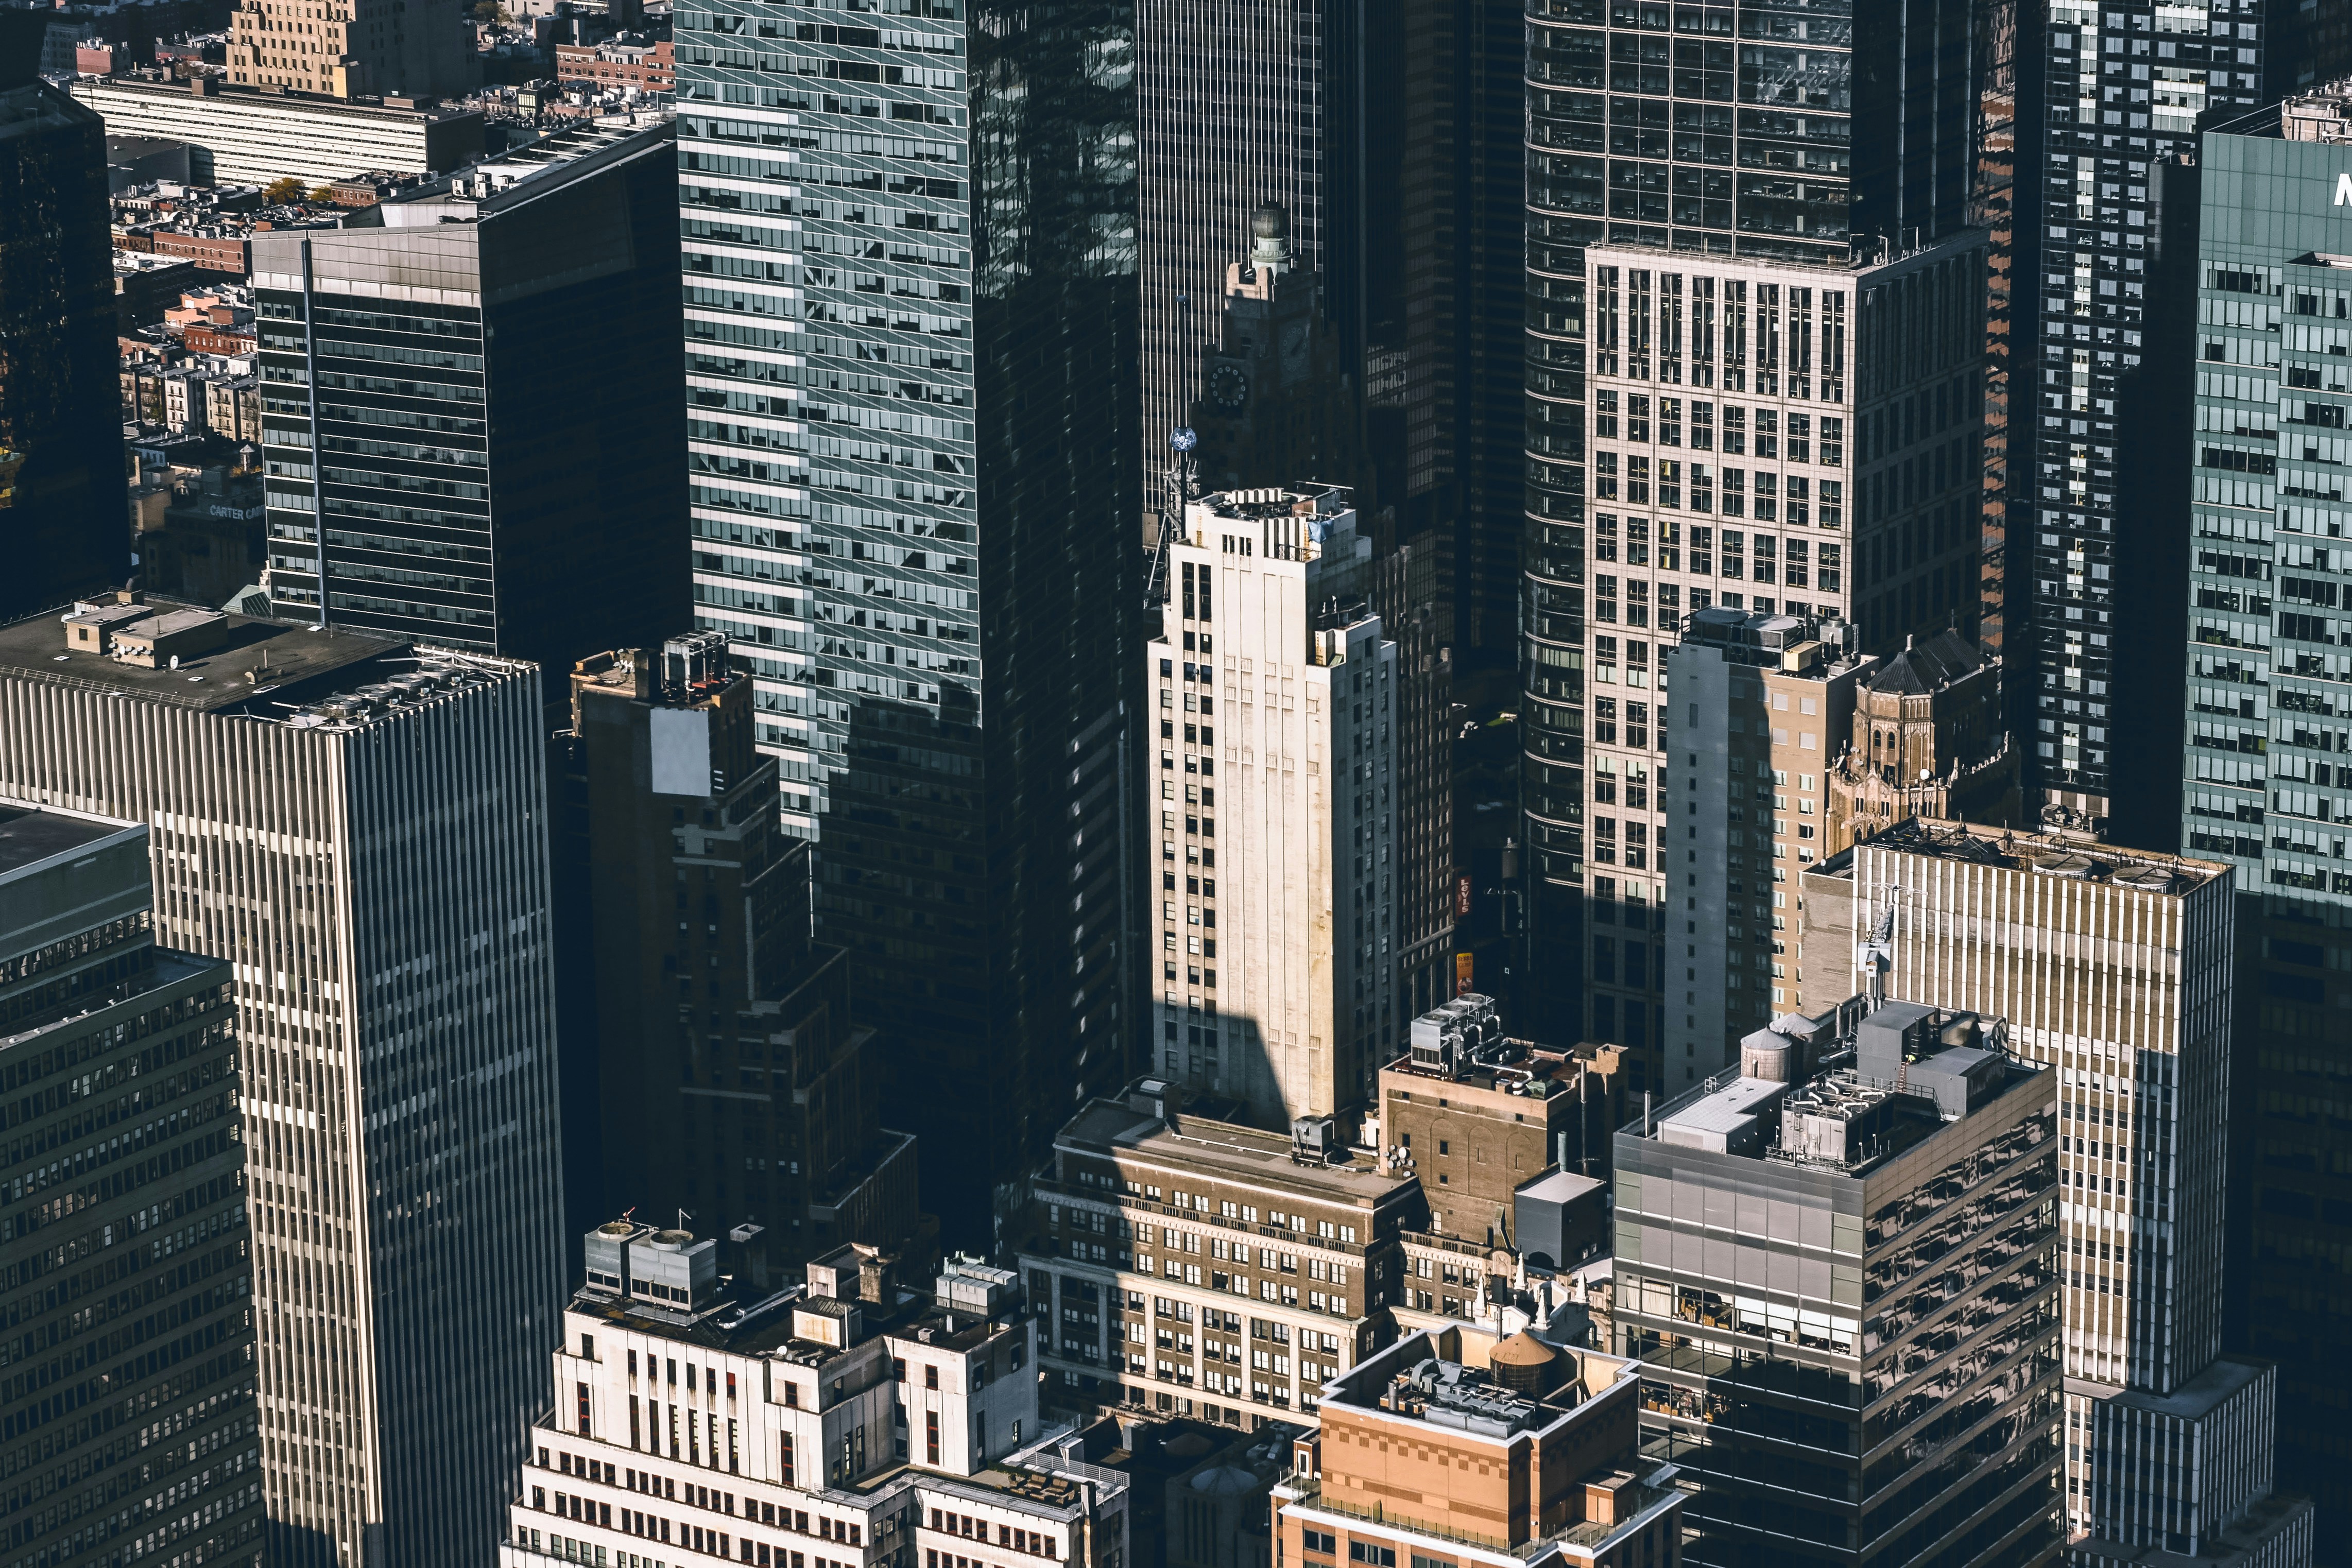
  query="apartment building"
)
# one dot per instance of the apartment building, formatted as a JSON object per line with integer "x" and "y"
{"x": 1265, "y": 615}
{"x": 2114, "y": 970}
{"x": 358, "y": 826}
{"x": 122, "y": 1207}
{"x": 1534, "y": 1459}
{"x": 1839, "y": 1266}
{"x": 367, "y": 48}
{"x": 1476, "y": 1115}
{"x": 1200, "y": 1268}
{"x": 849, "y": 1420}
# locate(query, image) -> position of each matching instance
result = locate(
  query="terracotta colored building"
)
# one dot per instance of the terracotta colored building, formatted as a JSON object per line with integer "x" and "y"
{"x": 618, "y": 63}
{"x": 1530, "y": 1462}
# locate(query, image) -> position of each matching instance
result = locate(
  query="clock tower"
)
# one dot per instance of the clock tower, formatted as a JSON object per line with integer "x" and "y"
{"x": 1277, "y": 406}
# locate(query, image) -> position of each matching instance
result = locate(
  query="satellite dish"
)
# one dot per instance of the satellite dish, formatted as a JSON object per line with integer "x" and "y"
{"x": 1182, "y": 439}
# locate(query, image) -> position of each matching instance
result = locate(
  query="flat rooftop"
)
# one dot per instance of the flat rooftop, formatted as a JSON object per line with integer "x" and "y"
{"x": 281, "y": 671}
{"x": 29, "y": 836}
{"x": 1245, "y": 1155}
{"x": 2069, "y": 855}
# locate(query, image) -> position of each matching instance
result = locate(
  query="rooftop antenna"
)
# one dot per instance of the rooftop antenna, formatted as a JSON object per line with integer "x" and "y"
{"x": 1878, "y": 953}
{"x": 1179, "y": 481}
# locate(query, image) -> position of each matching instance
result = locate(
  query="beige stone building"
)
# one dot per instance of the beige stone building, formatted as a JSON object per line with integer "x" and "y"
{"x": 1927, "y": 741}
{"x": 1194, "y": 1267}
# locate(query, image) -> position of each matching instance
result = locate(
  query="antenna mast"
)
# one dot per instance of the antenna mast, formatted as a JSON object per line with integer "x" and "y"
{"x": 1178, "y": 482}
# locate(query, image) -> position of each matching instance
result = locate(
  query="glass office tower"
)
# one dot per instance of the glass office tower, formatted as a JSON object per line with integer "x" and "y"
{"x": 910, "y": 330}
{"x": 2267, "y": 772}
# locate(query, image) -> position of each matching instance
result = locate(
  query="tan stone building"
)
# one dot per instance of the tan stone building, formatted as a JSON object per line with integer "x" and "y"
{"x": 1194, "y": 1267}
{"x": 352, "y": 48}
{"x": 1927, "y": 741}
{"x": 1531, "y": 1461}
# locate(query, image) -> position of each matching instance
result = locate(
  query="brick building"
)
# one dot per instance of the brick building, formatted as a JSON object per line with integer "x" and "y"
{"x": 1425, "y": 1460}
{"x": 629, "y": 63}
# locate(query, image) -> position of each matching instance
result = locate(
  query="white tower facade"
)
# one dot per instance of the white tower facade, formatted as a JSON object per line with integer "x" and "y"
{"x": 1274, "y": 922}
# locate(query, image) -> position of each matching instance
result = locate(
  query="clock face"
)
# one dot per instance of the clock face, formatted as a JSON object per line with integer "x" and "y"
{"x": 1229, "y": 387}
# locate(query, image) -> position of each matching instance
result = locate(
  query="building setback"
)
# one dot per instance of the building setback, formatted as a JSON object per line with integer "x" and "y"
{"x": 729, "y": 1075}
{"x": 1840, "y": 1266}
{"x": 466, "y": 466}
{"x": 2114, "y": 970}
{"x": 910, "y": 323}
{"x": 258, "y": 139}
{"x": 1264, "y": 615}
{"x": 2267, "y": 771}
{"x": 126, "y": 1267}
{"x": 861, "y": 1419}
{"x": 61, "y": 431}
{"x": 358, "y": 826}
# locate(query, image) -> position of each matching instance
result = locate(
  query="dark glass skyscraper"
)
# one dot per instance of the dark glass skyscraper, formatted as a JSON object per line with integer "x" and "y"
{"x": 911, "y": 309}
{"x": 61, "y": 500}
{"x": 463, "y": 399}
{"x": 1785, "y": 148}
{"x": 128, "y": 1422}
{"x": 1237, "y": 106}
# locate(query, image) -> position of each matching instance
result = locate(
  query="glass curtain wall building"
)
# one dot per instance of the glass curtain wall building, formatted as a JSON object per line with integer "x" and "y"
{"x": 2122, "y": 90}
{"x": 909, "y": 255}
{"x": 1803, "y": 142}
{"x": 446, "y": 441}
{"x": 2267, "y": 772}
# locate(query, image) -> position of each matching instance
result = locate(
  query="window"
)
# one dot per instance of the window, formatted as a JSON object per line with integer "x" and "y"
{"x": 1320, "y": 1540}
{"x": 787, "y": 1441}
{"x": 1372, "y": 1553}
{"x": 931, "y": 1377}
{"x": 931, "y": 1436}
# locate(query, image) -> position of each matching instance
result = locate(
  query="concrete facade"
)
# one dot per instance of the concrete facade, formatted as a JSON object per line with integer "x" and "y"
{"x": 380, "y": 812}
{"x": 1295, "y": 877}
{"x": 258, "y": 139}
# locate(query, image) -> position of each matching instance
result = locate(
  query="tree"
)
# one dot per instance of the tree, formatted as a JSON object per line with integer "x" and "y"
{"x": 490, "y": 13}
{"x": 288, "y": 189}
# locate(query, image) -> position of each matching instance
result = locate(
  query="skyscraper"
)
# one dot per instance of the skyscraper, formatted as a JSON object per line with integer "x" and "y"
{"x": 126, "y": 1267}
{"x": 730, "y": 1077}
{"x": 1266, "y": 638}
{"x": 1237, "y": 107}
{"x": 921, "y": 239}
{"x": 359, "y": 826}
{"x": 2267, "y": 772}
{"x": 1784, "y": 171}
{"x": 2123, "y": 90}
{"x": 2114, "y": 970}
{"x": 492, "y": 366}
{"x": 61, "y": 478}
{"x": 1764, "y": 437}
